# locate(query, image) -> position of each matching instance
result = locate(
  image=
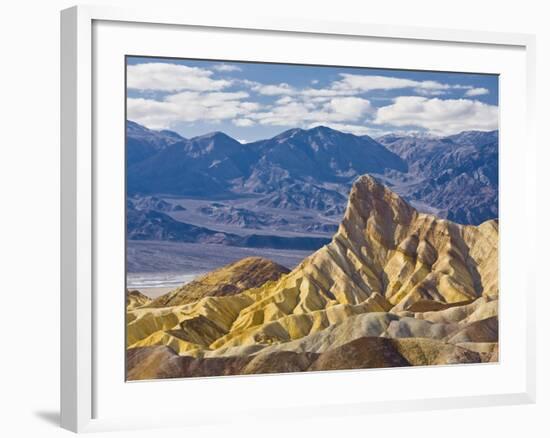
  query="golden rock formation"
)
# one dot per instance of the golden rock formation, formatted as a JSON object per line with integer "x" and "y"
{"x": 135, "y": 299}
{"x": 228, "y": 280}
{"x": 425, "y": 289}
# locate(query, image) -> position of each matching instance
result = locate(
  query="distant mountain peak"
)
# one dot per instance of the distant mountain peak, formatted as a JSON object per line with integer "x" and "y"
{"x": 213, "y": 142}
{"x": 287, "y": 134}
{"x": 215, "y": 135}
{"x": 137, "y": 129}
{"x": 143, "y": 143}
{"x": 172, "y": 134}
{"x": 323, "y": 128}
{"x": 475, "y": 138}
{"x": 417, "y": 165}
{"x": 478, "y": 131}
{"x": 418, "y": 135}
{"x": 320, "y": 130}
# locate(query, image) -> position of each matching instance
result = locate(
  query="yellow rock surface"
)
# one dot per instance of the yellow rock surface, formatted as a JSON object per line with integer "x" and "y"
{"x": 385, "y": 257}
{"x": 228, "y": 280}
{"x": 135, "y": 299}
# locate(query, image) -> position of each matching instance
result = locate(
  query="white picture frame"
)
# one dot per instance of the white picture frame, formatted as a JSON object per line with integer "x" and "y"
{"x": 82, "y": 372}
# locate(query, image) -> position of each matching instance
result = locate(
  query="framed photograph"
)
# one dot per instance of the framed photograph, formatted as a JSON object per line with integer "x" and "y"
{"x": 336, "y": 211}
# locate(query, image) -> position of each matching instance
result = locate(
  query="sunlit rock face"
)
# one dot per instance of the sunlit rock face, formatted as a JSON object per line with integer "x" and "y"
{"x": 394, "y": 287}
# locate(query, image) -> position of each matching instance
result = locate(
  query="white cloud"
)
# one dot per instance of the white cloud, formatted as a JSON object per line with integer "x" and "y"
{"x": 194, "y": 95}
{"x": 353, "y": 84}
{"x": 432, "y": 85}
{"x": 243, "y": 123}
{"x": 151, "y": 113}
{"x": 319, "y": 93}
{"x": 292, "y": 113}
{"x": 226, "y": 67}
{"x": 350, "y": 82}
{"x": 274, "y": 90}
{"x": 348, "y": 108}
{"x": 476, "y": 92}
{"x": 304, "y": 112}
{"x": 363, "y": 83}
{"x": 247, "y": 83}
{"x": 284, "y": 100}
{"x": 172, "y": 77}
{"x": 429, "y": 92}
{"x": 439, "y": 116}
{"x": 190, "y": 106}
{"x": 319, "y": 99}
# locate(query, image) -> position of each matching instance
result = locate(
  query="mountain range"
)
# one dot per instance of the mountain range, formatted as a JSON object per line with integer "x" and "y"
{"x": 455, "y": 177}
{"x": 151, "y": 224}
{"x": 394, "y": 287}
{"x": 143, "y": 143}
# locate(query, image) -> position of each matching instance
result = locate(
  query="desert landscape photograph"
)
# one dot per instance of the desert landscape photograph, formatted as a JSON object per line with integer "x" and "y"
{"x": 285, "y": 218}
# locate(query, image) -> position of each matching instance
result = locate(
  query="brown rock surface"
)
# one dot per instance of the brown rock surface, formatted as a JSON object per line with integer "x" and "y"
{"x": 485, "y": 330}
{"x": 421, "y": 351}
{"x": 361, "y": 353}
{"x": 152, "y": 363}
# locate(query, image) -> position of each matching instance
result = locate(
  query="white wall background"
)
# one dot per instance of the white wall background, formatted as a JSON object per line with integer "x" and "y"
{"x": 29, "y": 214}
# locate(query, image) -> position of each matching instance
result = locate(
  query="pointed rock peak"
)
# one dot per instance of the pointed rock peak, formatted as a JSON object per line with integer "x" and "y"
{"x": 214, "y": 142}
{"x": 368, "y": 188}
{"x": 288, "y": 134}
{"x": 134, "y": 129}
{"x": 371, "y": 201}
{"x": 474, "y": 138}
{"x": 322, "y": 128}
{"x": 137, "y": 129}
{"x": 325, "y": 133}
{"x": 216, "y": 135}
{"x": 172, "y": 134}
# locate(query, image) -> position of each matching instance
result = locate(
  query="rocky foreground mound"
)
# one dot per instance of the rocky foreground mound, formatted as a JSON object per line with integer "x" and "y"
{"x": 135, "y": 299}
{"x": 232, "y": 279}
{"x": 395, "y": 287}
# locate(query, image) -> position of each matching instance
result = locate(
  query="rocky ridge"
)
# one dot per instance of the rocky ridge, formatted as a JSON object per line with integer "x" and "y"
{"x": 135, "y": 299}
{"x": 394, "y": 287}
{"x": 229, "y": 280}
{"x": 455, "y": 176}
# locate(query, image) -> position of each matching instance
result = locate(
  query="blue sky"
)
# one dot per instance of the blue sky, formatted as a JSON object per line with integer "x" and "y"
{"x": 251, "y": 101}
